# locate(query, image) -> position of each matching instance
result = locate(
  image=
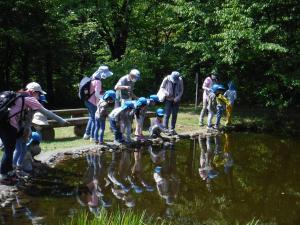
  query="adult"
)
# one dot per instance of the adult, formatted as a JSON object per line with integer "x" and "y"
{"x": 207, "y": 84}
{"x": 124, "y": 92}
{"x": 91, "y": 104}
{"x": 172, "y": 86}
{"x": 18, "y": 125}
{"x": 125, "y": 86}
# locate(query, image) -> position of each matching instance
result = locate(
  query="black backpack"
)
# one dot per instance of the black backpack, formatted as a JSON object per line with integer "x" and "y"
{"x": 7, "y": 100}
{"x": 84, "y": 88}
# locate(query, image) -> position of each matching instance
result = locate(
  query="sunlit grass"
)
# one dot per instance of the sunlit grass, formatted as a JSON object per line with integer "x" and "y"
{"x": 115, "y": 218}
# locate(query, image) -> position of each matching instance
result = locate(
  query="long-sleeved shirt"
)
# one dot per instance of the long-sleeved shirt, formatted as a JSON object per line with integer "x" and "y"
{"x": 101, "y": 111}
{"x": 172, "y": 90}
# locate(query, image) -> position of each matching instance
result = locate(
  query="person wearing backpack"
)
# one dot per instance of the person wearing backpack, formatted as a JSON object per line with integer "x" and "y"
{"x": 16, "y": 115}
{"x": 91, "y": 98}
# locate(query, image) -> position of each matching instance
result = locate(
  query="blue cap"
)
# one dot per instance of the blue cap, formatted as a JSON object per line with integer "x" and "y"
{"x": 109, "y": 94}
{"x": 212, "y": 174}
{"x": 157, "y": 169}
{"x": 141, "y": 102}
{"x": 35, "y": 136}
{"x": 231, "y": 85}
{"x": 128, "y": 105}
{"x": 218, "y": 87}
{"x": 43, "y": 99}
{"x": 160, "y": 112}
{"x": 154, "y": 98}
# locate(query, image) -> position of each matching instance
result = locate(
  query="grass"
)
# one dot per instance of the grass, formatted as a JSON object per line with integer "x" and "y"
{"x": 188, "y": 121}
{"x": 116, "y": 218}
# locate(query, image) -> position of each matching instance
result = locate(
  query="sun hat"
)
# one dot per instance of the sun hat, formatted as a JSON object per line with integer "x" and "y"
{"x": 40, "y": 119}
{"x": 33, "y": 86}
{"x": 103, "y": 72}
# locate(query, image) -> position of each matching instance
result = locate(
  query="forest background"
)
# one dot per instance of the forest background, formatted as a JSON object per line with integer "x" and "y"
{"x": 254, "y": 43}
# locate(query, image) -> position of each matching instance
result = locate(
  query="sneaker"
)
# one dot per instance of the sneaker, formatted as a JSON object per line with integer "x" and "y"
{"x": 116, "y": 142}
{"x": 92, "y": 139}
{"x": 86, "y": 137}
{"x": 173, "y": 132}
{"x": 22, "y": 174}
{"x": 215, "y": 127}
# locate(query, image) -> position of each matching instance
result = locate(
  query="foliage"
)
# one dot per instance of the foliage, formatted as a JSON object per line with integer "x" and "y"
{"x": 254, "y": 43}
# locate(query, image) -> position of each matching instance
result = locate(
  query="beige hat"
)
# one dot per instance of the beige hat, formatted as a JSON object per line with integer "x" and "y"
{"x": 33, "y": 86}
{"x": 39, "y": 119}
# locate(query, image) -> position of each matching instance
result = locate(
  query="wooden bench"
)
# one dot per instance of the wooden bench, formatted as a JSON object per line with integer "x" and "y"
{"x": 77, "y": 118}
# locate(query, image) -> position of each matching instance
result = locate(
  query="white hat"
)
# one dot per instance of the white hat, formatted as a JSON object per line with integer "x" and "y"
{"x": 33, "y": 86}
{"x": 39, "y": 119}
{"x": 103, "y": 72}
{"x": 135, "y": 73}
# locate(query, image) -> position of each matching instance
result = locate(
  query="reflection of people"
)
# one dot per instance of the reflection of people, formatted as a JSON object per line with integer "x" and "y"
{"x": 167, "y": 183}
{"x": 95, "y": 183}
{"x": 173, "y": 88}
{"x": 136, "y": 177}
{"x": 117, "y": 173}
{"x": 206, "y": 170}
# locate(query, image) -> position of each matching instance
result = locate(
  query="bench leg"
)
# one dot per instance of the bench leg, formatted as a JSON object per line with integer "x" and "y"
{"x": 48, "y": 134}
{"x": 79, "y": 130}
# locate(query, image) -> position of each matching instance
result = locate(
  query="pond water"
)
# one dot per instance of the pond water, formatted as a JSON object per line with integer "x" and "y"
{"x": 225, "y": 179}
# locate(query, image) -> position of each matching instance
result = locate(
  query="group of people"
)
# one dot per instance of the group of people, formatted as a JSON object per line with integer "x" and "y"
{"x": 127, "y": 106}
{"x": 216, "y": 99}
{"x": 23, "y": 112}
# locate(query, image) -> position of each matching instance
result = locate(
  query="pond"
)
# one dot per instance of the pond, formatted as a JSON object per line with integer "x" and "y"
{"x": 224, "y": 179}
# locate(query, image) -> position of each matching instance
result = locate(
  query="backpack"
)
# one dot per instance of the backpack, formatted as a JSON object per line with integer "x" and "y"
{"x": 7, "y": 100}
{"x": 84, "y": 88}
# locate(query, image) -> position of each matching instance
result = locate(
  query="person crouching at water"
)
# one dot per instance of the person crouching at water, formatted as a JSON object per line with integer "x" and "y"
{"x": 100, "y": 117}
{"x": 18, "y": 127}
{"x": 157, "y": 124}
{"x": 33, "y": 149}
{"x": 118, "y": 118}
{"x": 139, "y": 114}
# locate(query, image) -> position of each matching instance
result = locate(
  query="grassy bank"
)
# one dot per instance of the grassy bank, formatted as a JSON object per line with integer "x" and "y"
{"x": 244, "y": 119}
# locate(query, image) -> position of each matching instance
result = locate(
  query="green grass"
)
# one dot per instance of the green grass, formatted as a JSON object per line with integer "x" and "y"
{"x": 188, "y": 119}
{"x": 116, "y": 218}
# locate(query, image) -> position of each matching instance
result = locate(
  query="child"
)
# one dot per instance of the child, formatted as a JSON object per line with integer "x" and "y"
{"x": 221, "y": 103}
{"x": 33, "y": 149}
{"x": 231, "y": 95}
{"x": 117, "y": 119}
{"x": 157, "y": 124}
{"x": 153, "y": 99}
{"x": 139, "y": 114}
{"x": 101, "y": 113}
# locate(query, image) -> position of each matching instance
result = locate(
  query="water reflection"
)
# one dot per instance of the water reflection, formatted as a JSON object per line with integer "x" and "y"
{"x": 214, "y": 159}
{"x": 207, "y": 180}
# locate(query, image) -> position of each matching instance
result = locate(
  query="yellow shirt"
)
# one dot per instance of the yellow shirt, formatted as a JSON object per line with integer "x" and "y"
{"x": 221, "y": 100}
